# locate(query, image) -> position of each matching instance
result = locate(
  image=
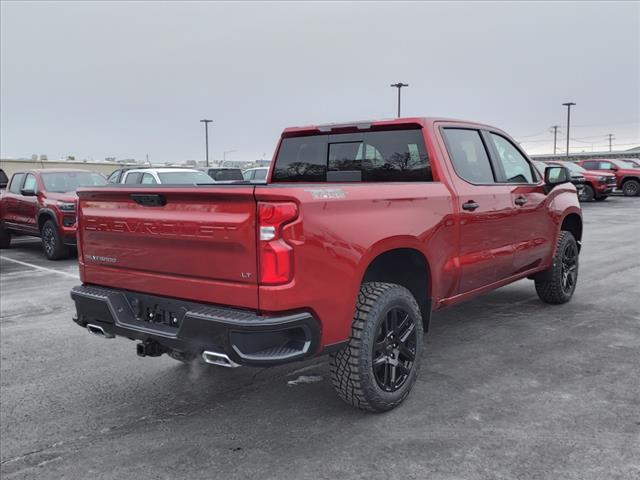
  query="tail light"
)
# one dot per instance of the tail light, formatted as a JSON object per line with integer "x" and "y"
{"x": 275, "y": 255}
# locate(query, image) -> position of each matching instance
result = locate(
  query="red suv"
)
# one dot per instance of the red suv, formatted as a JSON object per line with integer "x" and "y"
{"x": 42, "y": 203}
{"x": 596, "y": 185}
{"x": 626, "y": 173}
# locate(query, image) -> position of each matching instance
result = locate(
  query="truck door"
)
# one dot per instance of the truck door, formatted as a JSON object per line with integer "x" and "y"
{"x": 27, "y": 206}
{"x": 532, "y": 229}
{"x": 10, "y": 200}
{"x": 484, "y": 211}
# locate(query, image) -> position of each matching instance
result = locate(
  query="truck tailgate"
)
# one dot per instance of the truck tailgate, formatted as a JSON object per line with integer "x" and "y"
{"x": 195, "y": 243}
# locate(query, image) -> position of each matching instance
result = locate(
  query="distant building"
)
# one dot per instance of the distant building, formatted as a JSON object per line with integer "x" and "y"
{"x": 631, "y": 153}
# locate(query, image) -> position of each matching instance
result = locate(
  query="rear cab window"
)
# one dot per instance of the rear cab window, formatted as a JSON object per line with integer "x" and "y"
{"x": 377, "y": 156}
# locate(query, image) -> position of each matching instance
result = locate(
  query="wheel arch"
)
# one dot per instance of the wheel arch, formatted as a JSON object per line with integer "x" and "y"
{"x": 44, "y": 215}
{"x": 572, "y": 222}
{"x": 408, "y": 267}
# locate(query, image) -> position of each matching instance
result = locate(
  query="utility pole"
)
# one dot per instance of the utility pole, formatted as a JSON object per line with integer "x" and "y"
{"x": 555, "y": 137}
{"x": 399, "y": 86}
{"x": 610, "y": 139}
{"x": 568, "y": 105}
{"x": 206, "y": 137}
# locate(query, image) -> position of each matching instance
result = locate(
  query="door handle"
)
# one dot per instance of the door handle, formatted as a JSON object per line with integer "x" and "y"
{"x": 470, "y": 205}
{"x": 520, "y": 201}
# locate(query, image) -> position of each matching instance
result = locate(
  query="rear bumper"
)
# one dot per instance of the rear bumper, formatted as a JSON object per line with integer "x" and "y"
{"x": 193, "y": 328}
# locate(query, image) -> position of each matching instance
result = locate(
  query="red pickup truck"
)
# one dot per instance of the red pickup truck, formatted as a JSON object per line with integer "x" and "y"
{"x": 360, "y": 232}
{"x": 42, "y": 203}
{"x": 626, "y": 173}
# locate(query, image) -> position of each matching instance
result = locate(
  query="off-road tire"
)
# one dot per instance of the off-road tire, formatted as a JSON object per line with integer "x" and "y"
{"x": 631, "y": 188}
{"x": 588, "y": 195}
{"x": 551, "y": 284}
{"x": 352, "y": 367}
{"x": 52, "y": 243}
{"x": 5, "y": 238}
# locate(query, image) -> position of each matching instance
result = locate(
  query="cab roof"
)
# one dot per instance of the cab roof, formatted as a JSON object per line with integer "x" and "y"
{"x": 363, "y": 125}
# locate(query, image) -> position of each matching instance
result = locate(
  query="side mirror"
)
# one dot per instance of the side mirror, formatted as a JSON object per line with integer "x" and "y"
{"x": 614, "y": 168}
{"x": 28, "y": 192}
{"x": 555, "y": 175}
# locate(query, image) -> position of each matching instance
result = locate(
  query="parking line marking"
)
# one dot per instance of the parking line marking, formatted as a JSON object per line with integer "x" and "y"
{"x": 38, "y": 267}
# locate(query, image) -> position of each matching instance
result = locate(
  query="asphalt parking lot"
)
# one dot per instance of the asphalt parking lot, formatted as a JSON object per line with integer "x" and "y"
{"x": 510, "y": 388}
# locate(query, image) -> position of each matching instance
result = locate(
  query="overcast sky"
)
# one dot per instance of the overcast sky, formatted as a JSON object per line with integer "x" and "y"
{"x": 125, "y": 79}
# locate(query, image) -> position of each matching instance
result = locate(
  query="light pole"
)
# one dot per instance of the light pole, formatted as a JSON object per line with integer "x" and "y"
{"x": 399, "y": 86}
{"x": 206, "y": 137}
{"x": 555, "y": 137}
{"x": 568, "y": 105}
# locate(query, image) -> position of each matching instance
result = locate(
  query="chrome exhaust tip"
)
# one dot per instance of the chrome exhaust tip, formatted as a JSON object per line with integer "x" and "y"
{"x": 99, "y": 331}
{"x": 220, "y": 359}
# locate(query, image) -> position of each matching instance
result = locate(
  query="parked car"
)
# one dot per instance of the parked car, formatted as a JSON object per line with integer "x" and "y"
{"x": 256, "y": 175}
{"x": 116, "y": 175}
{"x": 362, "y": 231}
{"x": 224, "y": 175}
{"x": 635, "y": 163}
{"x": 172, "y": 176}
{"x": 597, "y": 186}
{"x": 4, "y": 180}
{"x": 577, "y": 178}
{"x": 626, "y": 175}
{"x": 42, "y": 203}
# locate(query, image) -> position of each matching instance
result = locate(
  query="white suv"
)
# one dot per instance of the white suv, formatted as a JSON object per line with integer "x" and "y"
{"x": 172, "y": 176}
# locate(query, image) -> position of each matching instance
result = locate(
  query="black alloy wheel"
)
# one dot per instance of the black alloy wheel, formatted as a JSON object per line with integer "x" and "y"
{"x": 52, "y": 242}
{"x": 394, "y": 350}
{"x": 588, "y": 194}
{"x": 569, "y": 268}
{"x": 49, "y": 239}
{"x": 631, "y": 188}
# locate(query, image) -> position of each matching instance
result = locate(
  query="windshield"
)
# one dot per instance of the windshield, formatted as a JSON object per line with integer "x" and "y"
{"x": 625, "y": 164}
{"x": 184, "y": 178}
{"x": 540, "y": 166}
{"x": 62, "y": 182}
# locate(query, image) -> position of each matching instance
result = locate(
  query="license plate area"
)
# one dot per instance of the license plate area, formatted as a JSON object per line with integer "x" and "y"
{"x": 156, "y": 313}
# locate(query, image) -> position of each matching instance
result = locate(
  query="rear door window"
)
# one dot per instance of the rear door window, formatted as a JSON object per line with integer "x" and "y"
{"x": 147, "y": 179}
{"x": 16, "y": 183}
{"x": 468, "y": 155}
{"x": 260, "y": 174}
{"x": 132, "y": 177}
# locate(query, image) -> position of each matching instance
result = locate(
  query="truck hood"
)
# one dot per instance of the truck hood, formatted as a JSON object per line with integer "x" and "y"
{"x": 594, "y": 174}
{"x": 70, "y": 197}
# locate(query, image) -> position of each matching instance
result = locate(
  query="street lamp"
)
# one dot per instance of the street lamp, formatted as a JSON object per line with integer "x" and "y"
{"x": 206, "y": 137}
{"x": 399, "y": 86}
{"x": 568, "y": 105}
